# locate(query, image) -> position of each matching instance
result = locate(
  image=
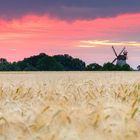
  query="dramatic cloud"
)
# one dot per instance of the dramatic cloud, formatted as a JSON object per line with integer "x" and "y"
{"x": 68, "y": 9}
{"x": 89, "y": 40}
{"x": 81, "y": 28}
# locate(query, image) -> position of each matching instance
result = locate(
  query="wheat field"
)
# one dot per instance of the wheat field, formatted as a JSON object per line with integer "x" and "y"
{"x": 70, "y": 106}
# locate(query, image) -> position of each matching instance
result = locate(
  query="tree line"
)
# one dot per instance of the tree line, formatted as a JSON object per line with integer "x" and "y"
{"x": 44, "y": 62}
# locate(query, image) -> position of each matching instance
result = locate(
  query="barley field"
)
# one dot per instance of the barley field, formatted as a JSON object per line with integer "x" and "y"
{"x": 70, "y": 106}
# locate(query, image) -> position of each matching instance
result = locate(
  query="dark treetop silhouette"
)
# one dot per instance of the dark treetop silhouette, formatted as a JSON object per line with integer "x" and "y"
{"x": 44, "y": 62}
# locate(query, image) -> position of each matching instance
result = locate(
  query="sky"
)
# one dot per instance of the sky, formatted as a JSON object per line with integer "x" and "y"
{"x": 82, "y": 28}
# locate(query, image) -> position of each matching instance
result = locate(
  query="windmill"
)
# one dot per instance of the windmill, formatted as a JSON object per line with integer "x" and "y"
{"x": 121, "y": 58}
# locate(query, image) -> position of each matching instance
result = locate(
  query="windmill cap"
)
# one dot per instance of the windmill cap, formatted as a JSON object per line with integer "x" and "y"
{"x": 125, "y": 52}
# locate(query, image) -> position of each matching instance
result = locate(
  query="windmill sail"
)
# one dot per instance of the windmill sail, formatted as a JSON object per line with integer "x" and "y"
{"x": 114, "y": 51}
{"x": 121, "y": 58}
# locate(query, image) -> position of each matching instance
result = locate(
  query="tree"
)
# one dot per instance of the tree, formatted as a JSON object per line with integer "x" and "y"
{"x": 5, "y": 65}
{"x": 48, "y": 63}
{"x": 69, "y": 63}
{"x": 108, "y": 67}
{"x": 126, "y": 67}
{"x": 3, "y": 60}
{"x": 112, "y": 67}
{"x": 43, "y": 62}
{"x": 78, "y": 65}
{"x": 29, "y": 68}
{"x": 32, "y": 61}
{"x": 20, "y": 66}
{"x": 94, "y": 67}
{"x": 15, "y": 66}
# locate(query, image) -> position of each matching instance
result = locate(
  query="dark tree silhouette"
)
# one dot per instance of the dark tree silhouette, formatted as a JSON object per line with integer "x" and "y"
{"x": 112, "y": 67}
{"x": 43, "y": 62}
{"x": 126, "y": 67}
{"x": 108, "y": 67}
{"x": 69, "y": 63}
{"x": 48, "y": 63}
{"x": 3, "y": 60}
{"x": 94, "y": 67}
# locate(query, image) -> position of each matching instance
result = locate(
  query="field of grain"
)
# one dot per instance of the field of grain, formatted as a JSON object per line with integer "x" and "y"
{"x": 70, "y": 106}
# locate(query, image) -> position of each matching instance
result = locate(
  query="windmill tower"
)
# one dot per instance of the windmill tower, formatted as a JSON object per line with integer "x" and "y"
{"x": 121, "y": 58}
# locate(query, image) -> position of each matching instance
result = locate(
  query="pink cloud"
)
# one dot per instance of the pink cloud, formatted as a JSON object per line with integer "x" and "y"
{"x": 34, "y": 34}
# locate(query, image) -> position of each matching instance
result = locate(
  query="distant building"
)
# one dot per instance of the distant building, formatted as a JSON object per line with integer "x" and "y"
{"x": 121, "y": 58}
{"x": 138, "y": 68}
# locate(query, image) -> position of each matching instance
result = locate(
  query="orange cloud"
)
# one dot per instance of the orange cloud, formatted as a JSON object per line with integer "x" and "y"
{"x": 98, "y": 43}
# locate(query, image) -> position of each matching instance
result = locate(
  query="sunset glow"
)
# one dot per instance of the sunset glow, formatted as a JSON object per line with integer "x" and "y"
{"x": 87, "y": 39}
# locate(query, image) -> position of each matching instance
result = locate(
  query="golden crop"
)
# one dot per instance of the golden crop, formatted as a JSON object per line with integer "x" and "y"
{"x": 70, "y": 106}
